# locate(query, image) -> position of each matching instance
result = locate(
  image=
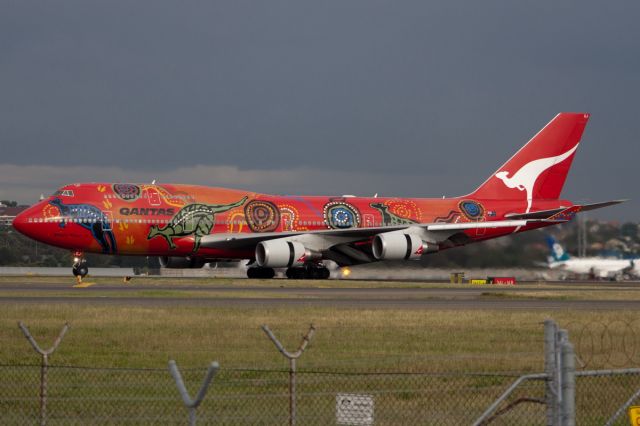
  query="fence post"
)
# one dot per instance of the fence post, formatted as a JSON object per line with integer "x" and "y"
{"x": 292, "y": 365}
{"x": 44, "y": 365}
{"x": 550, "y": 368}
{"x": 192, "y": 404}
{"x": 568, "y": 384}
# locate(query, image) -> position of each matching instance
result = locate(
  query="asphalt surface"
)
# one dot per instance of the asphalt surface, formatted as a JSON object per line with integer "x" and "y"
{"x": 446, "y": 296}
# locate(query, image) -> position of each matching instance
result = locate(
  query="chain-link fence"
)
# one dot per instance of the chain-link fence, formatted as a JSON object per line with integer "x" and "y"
{"x": 79, "y": 395}
{"x": 133, "y": 396}
{"x": 45, "y": 394}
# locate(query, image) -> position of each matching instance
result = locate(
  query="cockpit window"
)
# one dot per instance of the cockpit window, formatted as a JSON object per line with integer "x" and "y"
{"x": 64, "y": 193}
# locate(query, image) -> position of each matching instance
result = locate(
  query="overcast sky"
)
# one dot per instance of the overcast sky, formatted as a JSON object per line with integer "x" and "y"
{"x": 406, "y": 98}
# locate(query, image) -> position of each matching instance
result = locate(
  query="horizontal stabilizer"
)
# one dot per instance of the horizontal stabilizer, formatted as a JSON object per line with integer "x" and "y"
{"x": 555, "y": 213}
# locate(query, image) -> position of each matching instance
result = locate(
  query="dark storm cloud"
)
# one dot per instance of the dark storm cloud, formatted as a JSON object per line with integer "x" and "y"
{"x": 418, "y": 89}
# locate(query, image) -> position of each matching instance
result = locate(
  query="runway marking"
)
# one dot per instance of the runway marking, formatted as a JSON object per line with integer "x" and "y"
{"x": 83, "y": 285}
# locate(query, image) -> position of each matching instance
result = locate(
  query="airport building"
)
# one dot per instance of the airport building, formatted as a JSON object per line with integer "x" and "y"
{"x": 7, "y": 214}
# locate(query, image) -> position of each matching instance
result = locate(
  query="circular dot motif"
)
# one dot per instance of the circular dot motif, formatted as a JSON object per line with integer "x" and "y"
{"x": 341, "y": 215}
{"x": 471, "y": 209}
{"x": 127, "y": 191}
{"x": 262, "y": 216}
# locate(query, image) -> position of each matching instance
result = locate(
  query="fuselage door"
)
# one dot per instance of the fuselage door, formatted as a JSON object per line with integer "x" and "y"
{"x": 107, "y": 219}
{"x": 368, "y": 221}
{"x": 153, "y": 196}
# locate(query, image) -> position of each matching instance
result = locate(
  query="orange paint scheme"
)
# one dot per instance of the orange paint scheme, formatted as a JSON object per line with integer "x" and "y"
{"x": 196, "y": 221}
{"x": 297, "y": 213}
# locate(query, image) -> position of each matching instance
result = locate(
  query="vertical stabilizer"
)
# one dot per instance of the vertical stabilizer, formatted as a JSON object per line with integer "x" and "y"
{"x": 539, "y": 169}
{"x": 557, "y": 253}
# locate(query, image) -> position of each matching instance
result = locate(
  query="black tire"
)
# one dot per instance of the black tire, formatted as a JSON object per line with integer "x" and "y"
{"x": 325, "y": 274}
{"x": 297, "y": 273}
{"x": 266, "y": 273}
{"x": 80, "y": 270}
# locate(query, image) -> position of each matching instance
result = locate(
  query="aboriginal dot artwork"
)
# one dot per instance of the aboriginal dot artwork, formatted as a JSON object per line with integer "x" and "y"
{"x": 389, "y": 218}
{"x": 289, "y": 216}
{"x": 262, "y": 216}
{"x": 341, "y": 215}
{"x": 471, "y": 209}
{"x": 452, "y": 217}
{"x": 404, "y": 208}
{"x": 196, "y": 220}
{"x": 126, "y": 191}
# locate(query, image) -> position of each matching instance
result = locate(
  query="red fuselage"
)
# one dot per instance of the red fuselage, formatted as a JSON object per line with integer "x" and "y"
{"x": 169, "y": 220}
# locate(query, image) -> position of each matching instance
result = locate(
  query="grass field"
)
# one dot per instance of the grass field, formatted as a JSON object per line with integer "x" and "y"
{"x": 347, "y": 341}
{"x": 354, "y": 339}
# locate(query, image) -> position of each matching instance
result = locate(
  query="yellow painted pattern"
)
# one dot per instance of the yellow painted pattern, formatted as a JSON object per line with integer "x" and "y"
{"x": 406, "y": 209}
{"x": 233, "y": 226}
{"x": 288, "y": 217}
{"x": 634, "y": 415}
{"x": 166, "y": 196}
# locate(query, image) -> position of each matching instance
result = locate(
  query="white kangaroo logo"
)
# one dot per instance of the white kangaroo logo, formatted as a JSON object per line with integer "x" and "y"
{"x": 525, "y": 178}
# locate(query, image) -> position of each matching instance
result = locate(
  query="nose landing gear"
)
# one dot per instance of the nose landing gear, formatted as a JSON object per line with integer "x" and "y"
{"x": 80, "y": 268}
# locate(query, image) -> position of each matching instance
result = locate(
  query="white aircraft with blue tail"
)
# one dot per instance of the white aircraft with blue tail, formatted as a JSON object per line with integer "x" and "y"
{"x": 597, "y": 267}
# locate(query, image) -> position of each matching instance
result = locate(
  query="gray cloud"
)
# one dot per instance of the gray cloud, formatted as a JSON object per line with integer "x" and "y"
{"x": 27, "y": 183}
{"x": 420, "y": 97}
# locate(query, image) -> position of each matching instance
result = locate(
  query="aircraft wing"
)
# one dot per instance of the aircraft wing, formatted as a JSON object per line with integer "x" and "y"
{"x": 345, "y": 241}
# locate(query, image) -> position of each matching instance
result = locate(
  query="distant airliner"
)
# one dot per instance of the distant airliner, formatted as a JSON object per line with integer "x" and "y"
{"x": 187, "y": 226}
{"x": 598, "y": 267}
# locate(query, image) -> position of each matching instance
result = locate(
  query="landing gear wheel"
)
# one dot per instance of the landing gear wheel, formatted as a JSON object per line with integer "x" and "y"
{"x": 309, "y": 272}
{"x": 80, "y": 271}
{"x": 325, "y": 274}
{"x": 80, "y": 268}
{"x": 256, "y": 272}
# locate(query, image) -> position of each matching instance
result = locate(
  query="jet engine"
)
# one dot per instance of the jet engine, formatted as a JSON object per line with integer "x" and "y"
{"x": 283, "y": 254}
{"x": 173, "y": 262}
{"x": 397, "y": 246}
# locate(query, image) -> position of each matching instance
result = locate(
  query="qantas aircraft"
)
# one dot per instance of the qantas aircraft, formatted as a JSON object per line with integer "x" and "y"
{"x": 187, "y": 226}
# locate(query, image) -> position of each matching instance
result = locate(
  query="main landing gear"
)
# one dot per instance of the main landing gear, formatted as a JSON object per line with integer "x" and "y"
{"x": 308, "y": 272}
{"x": 258, "y": 272}
{"x": 80, "y": 268}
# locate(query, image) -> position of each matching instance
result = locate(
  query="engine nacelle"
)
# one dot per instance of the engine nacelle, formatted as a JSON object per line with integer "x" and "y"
{"x": 397, "y": 246}
{"x": 282, "y": 254}
{"x": 174, "y": 262}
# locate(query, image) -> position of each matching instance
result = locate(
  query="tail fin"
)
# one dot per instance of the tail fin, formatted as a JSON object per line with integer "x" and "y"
{"x": 538, "y": 170}
{"x": 557, "y": 251}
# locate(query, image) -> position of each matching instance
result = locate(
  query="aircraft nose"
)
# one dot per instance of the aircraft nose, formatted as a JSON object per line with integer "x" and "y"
{"x": 23, "y": 222}
{"x": 19, "y": 222}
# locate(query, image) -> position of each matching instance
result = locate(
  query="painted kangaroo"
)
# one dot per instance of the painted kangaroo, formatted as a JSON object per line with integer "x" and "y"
{"x": 525, "y": 178}
{"x": 389, "y": 218}
{"x": 91, "y": 218}
{"x": 193, "y": 219}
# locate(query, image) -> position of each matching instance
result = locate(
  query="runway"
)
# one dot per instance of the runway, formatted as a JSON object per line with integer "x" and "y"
{"x": 344, "y": 294}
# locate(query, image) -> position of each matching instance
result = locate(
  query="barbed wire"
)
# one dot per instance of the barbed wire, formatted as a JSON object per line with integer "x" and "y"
{"x": 606, "y": 344}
